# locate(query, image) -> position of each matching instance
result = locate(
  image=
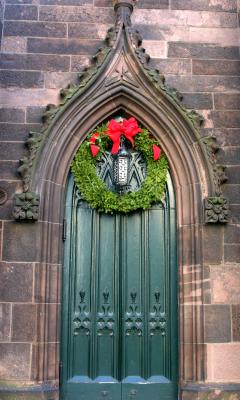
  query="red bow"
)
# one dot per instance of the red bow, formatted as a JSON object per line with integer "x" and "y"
{"x": 128, "y": 128}
{"x": 156, "y": 152}
{"x": 93, "y": 147}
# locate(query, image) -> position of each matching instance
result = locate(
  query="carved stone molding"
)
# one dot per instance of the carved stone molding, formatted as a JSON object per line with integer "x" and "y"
{"x": 216, "y": 209}
{"x": 122, "y": 65}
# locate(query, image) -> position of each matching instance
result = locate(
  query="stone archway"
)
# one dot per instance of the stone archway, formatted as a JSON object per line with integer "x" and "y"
{"x": 122, "y": 80}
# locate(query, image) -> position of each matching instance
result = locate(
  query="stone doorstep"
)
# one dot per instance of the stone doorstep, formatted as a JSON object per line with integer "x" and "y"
{"x": 189, "y": 391}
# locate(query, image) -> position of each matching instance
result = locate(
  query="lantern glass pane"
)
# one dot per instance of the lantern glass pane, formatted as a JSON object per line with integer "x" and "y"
{"x": 123, "y": 170}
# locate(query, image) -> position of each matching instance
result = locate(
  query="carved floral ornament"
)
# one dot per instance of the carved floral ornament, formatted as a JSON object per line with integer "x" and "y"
{"x": 121, "y": 65}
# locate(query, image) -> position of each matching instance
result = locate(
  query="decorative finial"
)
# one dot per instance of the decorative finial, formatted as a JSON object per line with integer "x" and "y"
{"x": 124, "y": 3}
{"x": 123, "y": 10}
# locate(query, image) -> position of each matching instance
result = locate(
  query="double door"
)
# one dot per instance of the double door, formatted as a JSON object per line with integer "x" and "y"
{"x": 119, "y": 305}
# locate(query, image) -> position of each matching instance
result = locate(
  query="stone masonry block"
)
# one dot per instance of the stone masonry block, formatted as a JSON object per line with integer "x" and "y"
{"x": 16, "y": 282}
{"x": 21, "y": 12}
{"x": 232, "y": 232}
{"x": 67, "y": 2}
{"x": 226, "y": 119}
{"x": 29, "y": 97}
{"x": 213, "y": 244}
{"x": 172, "y": 66}
{"x": 225, "y": 283}
{"x": 204, "y": 83}
{"x": 217, "y": 323}
{"x": 199, "y": 101}
{"x": 34, "y": 29}
{"x": 46, "y": 62}
{"x": 232, "y": 192}
{"x": 77, "y": 14}
{"x": 15, "y": 360}
{"x": 233, "y": 174}
{"x": 216, "y": 67}
{"x": 225, "y": 136}
{"x": 225, "y": 101}
{"x": 62, "y": 46}
{"x": 9, "y": 170}
{"x": 232, "y": 252}
{"x": 13, "y": 115}
{"x": 229, "y": 155}
{"x": 87, "y": 31}
{"x": 202, "y": 51}
{"x": 186, "y": 18}
{"x": 223, "y": 362}
{"x": 24, "y": 323}
{"x": 21, "y": 79}
{"x": 14, "y": 44}
{"x": 57, "y": 80}
{"x": 12, "y": 151}
{"x": 34, "y": 114}
{"x": 199, "y": 5}
{"x": 20, "y": 241}
{"x": 16, "y": 132}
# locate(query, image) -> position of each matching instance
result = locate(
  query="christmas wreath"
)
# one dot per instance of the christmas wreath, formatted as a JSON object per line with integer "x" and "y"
{"x": 107, "y": 137}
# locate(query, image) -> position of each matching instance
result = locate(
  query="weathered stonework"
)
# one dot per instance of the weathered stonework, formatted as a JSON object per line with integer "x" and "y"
{"x": 195, "y": 44}
{"x": 92, "y": 75}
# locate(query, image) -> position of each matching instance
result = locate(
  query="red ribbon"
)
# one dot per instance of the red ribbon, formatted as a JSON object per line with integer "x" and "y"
{"x": 128, "y": 128}
{"x": 156, "y": 152}
{"x": 93, "y": 147}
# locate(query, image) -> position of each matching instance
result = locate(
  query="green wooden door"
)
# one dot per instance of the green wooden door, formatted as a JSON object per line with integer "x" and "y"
{"x": 119, "y": 308}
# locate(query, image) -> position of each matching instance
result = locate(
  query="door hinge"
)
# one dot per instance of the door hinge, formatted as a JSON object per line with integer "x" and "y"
{"x": 64, "y": 230}
{"x": 60, "y": 368}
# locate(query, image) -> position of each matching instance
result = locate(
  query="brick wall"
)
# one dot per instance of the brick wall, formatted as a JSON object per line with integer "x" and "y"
{"x": 45, "y": 44}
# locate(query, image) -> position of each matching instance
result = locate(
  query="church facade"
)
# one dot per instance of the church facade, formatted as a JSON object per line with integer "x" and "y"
{"x": 111, "y": 288}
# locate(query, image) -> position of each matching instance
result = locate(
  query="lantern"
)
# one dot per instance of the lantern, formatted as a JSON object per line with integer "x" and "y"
{"x": 121, "y": 164}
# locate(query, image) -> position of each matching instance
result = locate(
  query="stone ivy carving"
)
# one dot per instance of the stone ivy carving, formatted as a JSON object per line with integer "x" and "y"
{"x": 216, "y": 209}
{"x": 122, "y": 33}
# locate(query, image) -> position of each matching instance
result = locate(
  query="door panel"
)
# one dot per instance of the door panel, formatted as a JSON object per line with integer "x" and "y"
{"x": 119, "y": 315}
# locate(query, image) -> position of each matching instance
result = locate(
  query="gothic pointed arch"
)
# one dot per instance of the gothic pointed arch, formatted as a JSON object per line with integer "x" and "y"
{"x": 121, "y": 78}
